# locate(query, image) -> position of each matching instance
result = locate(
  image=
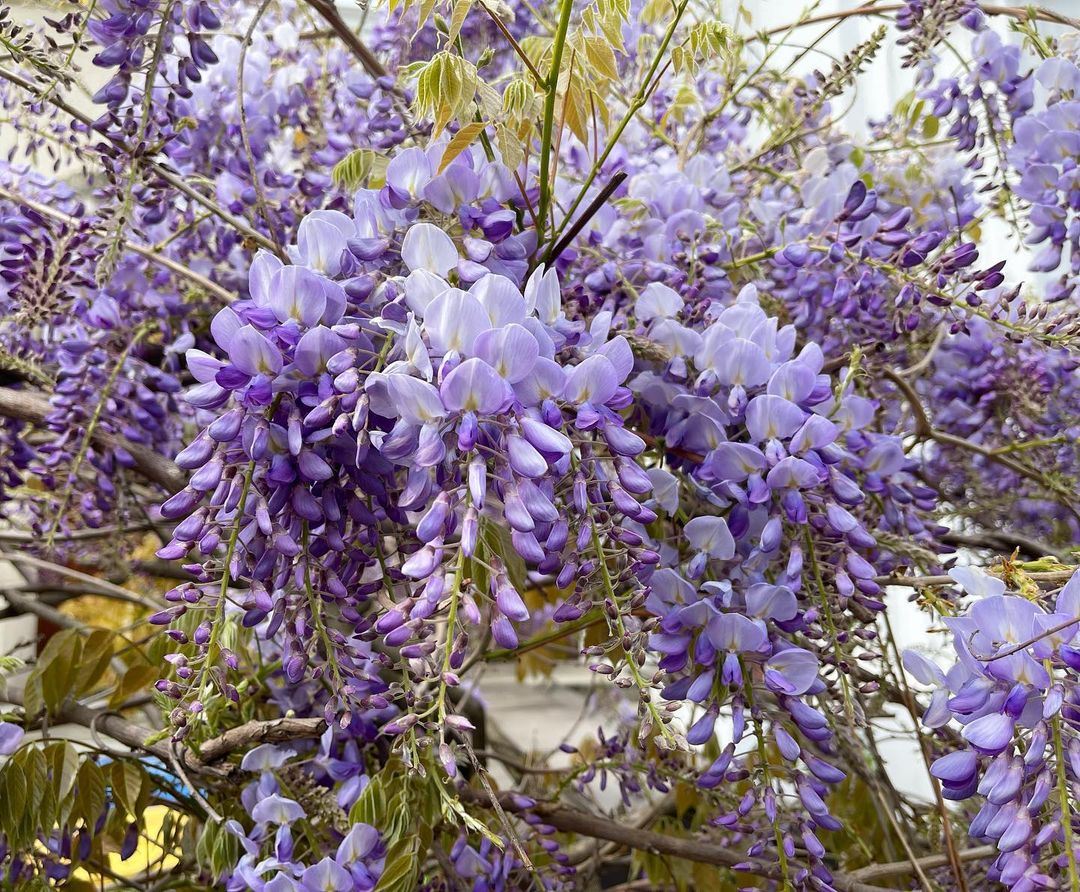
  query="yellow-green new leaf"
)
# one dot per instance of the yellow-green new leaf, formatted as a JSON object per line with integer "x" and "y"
{"x": 461, "y": 141}
{"x": 352, "y": 171}
{"x": 601, "y": 57}
{"x": 457, "y": 18}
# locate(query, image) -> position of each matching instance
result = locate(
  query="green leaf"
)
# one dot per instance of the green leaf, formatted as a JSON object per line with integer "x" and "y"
{"x": 370, "y": 808}
{"x": 127, "y": 785}
{"x": 136, "y": 680}
{"x": 356, "y": 168}
{"x": 217, "y": 849}
{"x": 89, "y": 793}
{"x": 402, "y": 868}
{"x": 12, "y": 794}
{"x": 97, "y": 651}
{"x": 58, "y": 667}
{"x": 64, "y": 762}
{"x": 601, "y": 57}
{"x": 445, "y": 89}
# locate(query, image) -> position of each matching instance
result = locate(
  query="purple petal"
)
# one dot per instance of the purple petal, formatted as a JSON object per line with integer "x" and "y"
{"x": 621, "y": 356}
{"x": 501, "y": 300}
{"x": 955, "y": 769}
{"x": 327, "y": 876}
{"x": 735, "y": 461}
{"x": 224, "y": 326}
{"x": 524, "y": 459}
{"x": 989, "y": 733}
{"x": 512, "y": 351}
{"x": 545, "y": 438}
{"x": 545, "y": 382}
{"x": 321, "y": 243}
{"x": 408, "y": 173}
{"x": 474, "y": 386}
{"x": 297, "y": 293}
{"x": 771, "y": 602}
{"x": 315, "y": 349}
{"x": 772, "y": 417}
{"x": 741, "y": 362}
{"x": 253, "y": 354}
{"x": 794, "y": 473}
{"x": 416, "y": 401}
{"x": 735, "y": 633}
{"x": 454, "y": 320}
{"x": 11, "y": 736}
{"x": 203, "y": 366}
{"x": 427, "y": 247}
{"x": 657, "y": 300}
{"x": 798, "y": 668}
{"x": 592, "y": 381}
{"x": 711, "y": 535}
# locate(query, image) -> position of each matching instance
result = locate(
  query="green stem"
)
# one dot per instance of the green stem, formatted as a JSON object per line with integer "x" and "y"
{"x": 451, "y": 623}
{"x": 562, "y": 631}
{"x": 316, "y": 613}
{"x": 550, "y": 96}
{"x": 763, "y": 755}
{"x": 226, "y": 578}
{"x": 620, "y": 627}
{"x": 826, "y": 608}
{"x": 1063, "y": 801}
{"x": 640, "y": 98}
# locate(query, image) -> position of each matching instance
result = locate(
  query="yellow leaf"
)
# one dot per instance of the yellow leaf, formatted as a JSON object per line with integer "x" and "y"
{"x": 457, "y": 19}
{"x": 601, "y": 57}
{"x": 425, "y": 13}
{"x": 577, "y": 111}
{"x": 510, "y": 146}
{"x": 461, "y": 141}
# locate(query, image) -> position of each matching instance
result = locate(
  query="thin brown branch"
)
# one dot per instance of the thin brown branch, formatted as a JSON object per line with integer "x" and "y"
{"x": 1021, "y": 13}
{"x": 929, "y": 862}
{"x": 569, "y": 820}
{"x": 26, "y": 604}
{"x": 366, "y": 57}
{"x": 93, "y": 584}
{"x": 26, "y": 405}
{"x": 925, "y": 430}
{"x": 26, "y": 536}
{"x": 256, "y": 732}
{"x": 138, "y": 737}
{"x": 1002, "y": 540}
{"x": 1024, "y": 645}
{"x": 260, "y": 197}
{"x": 501, "y": 25}
{"x": 1048, "y": 576}
{"x": 951, "y": 852}
{"x": 586, "y": 215}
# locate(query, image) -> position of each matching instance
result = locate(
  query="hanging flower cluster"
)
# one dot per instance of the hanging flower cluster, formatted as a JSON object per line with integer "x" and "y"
{"x": 1012, "y": 691}
{"x": 677, "y": 379}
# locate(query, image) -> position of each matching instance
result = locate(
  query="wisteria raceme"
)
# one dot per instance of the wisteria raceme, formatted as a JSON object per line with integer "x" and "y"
{"x": 643, "y": 364}
{"x": 1012, "y": 690}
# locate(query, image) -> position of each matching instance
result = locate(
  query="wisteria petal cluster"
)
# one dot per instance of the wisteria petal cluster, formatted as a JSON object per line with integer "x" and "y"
{"x": 363, "y": 353}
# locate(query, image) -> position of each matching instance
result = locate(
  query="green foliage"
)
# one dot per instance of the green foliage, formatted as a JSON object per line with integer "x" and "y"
{"x": 216, "y": 850}
{"x": 405, "y": 807}
{"x": 706, "y": 41}
{"x": 445, "y": 90}
{"x": 358, "y": 168}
